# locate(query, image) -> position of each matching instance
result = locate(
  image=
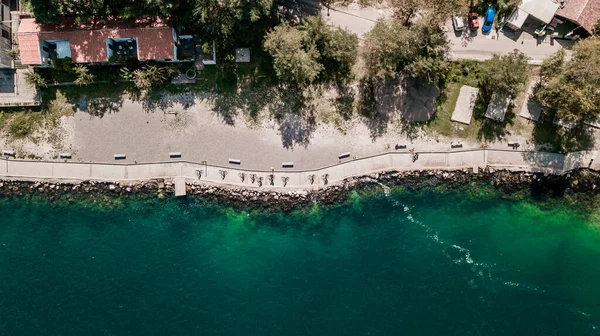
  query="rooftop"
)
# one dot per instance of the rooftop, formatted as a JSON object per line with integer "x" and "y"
{"x": 584, "y": 12}
{"x": 497, "y": 107}
{"x": 463, "y": 110}
{"x": 88, "y": 43}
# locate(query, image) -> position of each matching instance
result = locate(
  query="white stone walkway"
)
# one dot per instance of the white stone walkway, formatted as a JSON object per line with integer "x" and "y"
{"x": 551, "y": 163}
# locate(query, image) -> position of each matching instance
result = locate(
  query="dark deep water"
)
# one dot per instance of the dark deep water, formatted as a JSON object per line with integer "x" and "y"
{"x": 407, "y": 264}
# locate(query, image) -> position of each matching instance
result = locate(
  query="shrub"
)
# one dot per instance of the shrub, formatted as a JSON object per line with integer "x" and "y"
{"x": 14, "y": 54}
{"x": 151, "y": 76}
{"x": 35, "y": 79}
{"x": 84, "y": 77}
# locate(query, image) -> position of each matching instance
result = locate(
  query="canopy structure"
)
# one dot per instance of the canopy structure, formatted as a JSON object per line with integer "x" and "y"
{"x": 543, "y": 10}
{"x": 497, "y": 108}
{"x": 463, "y": 109}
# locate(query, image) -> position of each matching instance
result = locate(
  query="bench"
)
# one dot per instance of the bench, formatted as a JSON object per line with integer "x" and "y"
{"x": 8, "y": 153}
{"x": 456, "y": 145}
{"x": 344, "y": 155}
{"x": 400, "y": 147}
{"x": 65, "y": 155}
{"x": 287, "y": 165}
{"x": 235, "y": 161}
{"x": 120, "y": 156}
{"x": 175, "y": 155}
{"x": 514, "y": 144}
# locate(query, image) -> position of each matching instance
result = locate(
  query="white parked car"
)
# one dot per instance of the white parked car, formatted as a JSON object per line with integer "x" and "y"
{"x": 458, "y": 23}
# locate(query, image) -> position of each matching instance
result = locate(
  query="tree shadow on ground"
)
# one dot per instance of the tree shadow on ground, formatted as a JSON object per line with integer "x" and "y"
{"x": 291, "y": 108}
{"x": 344, "y": 102}
{"x": 552, "y": 137}
{"x": 294, "y": 110}
{"x": 411, "y": 130}
{"x": 161, "y": 100}
{"x": 227, "y": 107}
{"x": 376, "y": 122}
{"x": 410, "y": 99}
{"x": 96, "y": 99}
{"x": 492, "y": 130}
{"x": 296, "y": 130}
{"x": 242, "y": 88}
{"x": 577, "y": 138}
{"x": 299, "y": 8}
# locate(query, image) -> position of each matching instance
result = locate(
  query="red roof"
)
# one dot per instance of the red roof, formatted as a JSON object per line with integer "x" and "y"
{"x": 88, "y": 43}
{"x": 584, "y": 12}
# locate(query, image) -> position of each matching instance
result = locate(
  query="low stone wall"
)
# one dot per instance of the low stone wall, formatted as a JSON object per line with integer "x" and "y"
{"x": 583, "y": 182}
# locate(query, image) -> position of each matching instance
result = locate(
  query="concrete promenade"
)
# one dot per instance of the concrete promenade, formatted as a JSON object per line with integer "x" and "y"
{"x": 193, "y": 172}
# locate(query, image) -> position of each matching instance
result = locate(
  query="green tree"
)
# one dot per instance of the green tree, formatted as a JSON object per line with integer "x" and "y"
{"x": 506, "y": 7}
{"x": 14, "y": 53}
{"x": 597, "y": 28}
{"x": 46, "y": 11}
{"x": 419, "y": 51}
{"x": 571, "y": 91}
{"x": 35, "y": 79}
{"x": 337, "y": 47}
{"x": 505, "y": 75}
{"x": 295, "y": 57}
{"x": 220, "y": 18}
{"x": 84, "y": 77}
{"x": 553, "y": 65}
{"x": 150, "y": 77}
{"x": 310, "y": 51}
{"x": 90, "y": 11}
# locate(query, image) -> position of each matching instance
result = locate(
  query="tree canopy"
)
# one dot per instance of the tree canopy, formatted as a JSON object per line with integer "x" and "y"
{"x": 505, "y": 75}
{"x": 571, "y": 88}
{"x": 294, "y": 57}
{"x": 88, "y": 11}
{"x": 220, "y": 18}
{"x": 419, "y": 51}
{"x": 312, "y": 50}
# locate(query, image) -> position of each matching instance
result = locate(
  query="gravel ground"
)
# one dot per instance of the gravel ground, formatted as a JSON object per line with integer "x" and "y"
{"x": 200, "y": 135}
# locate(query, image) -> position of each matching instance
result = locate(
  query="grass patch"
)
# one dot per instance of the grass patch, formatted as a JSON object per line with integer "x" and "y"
{"x": 480, "y": 129}
{"x": 21, "y": 125}
{"x": 461, "y": 73}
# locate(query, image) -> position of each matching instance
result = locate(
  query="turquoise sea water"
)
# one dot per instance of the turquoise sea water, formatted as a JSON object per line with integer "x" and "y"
{"x": 405, "y": 264}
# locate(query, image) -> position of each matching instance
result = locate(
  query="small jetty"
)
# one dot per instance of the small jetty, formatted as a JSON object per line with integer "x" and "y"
{"x": 179, "y": 186}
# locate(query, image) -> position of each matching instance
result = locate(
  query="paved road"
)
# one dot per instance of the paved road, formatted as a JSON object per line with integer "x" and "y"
{"x": 465, "y": 45}
{"x": 479, "y": 46}
{"x": 355, "y": 19}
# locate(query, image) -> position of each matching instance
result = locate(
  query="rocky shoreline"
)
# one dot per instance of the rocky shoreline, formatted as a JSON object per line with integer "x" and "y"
{"x": 537, "y": 184}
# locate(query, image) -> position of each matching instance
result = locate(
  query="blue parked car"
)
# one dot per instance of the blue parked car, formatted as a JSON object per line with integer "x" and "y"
{"x": 488, "y": 20}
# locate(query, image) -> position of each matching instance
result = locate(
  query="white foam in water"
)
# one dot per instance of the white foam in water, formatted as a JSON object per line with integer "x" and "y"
{"x": 481, "y": 270}
{"x": 524, "y": 287}
{"x": 386, "y": 189}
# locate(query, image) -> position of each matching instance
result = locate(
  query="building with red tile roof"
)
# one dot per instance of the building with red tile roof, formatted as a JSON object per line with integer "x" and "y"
{"x": 585, "y": 13}
{"x": 100, "y": 43}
